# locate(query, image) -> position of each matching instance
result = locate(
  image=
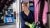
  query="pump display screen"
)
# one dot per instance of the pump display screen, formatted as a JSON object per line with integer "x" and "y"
{"x": 8, "y": 19}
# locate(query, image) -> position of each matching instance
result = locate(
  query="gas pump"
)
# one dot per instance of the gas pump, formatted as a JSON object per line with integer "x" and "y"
{"x": 9, "y": 17}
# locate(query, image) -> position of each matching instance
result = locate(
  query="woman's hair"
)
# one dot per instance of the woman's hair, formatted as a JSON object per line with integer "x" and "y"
{"x": 25, "y": 3}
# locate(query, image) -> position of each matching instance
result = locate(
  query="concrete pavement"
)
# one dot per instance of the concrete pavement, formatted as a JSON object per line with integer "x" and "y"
{"x": 8, "y": 26}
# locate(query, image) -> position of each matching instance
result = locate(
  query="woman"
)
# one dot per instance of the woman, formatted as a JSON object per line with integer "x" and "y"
{"x": 26, "y": 14}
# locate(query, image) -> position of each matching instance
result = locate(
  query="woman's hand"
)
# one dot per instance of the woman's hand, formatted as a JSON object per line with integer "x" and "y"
{"x": 30, "y": 25}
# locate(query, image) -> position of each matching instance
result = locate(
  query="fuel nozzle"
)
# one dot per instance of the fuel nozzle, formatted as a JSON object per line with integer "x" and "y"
{"x": 38, "y": 25}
